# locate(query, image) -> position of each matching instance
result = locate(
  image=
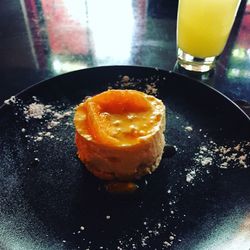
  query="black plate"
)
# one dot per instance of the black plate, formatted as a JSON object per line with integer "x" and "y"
{"x": 49, "y": 201}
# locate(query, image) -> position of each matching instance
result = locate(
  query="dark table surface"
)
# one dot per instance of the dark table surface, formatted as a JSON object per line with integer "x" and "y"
{"x": 42, "y": 39}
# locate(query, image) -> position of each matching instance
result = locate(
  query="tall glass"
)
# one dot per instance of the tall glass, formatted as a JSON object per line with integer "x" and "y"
{"x": 203, "y": 27}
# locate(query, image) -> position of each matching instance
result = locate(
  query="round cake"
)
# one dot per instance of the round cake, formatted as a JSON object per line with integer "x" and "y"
{"x": 120, "y": 134}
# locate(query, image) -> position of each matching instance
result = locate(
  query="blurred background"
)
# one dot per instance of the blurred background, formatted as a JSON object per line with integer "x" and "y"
{"x": 40, "y": 39}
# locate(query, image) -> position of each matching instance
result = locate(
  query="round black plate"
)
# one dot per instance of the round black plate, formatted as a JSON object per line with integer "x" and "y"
{"x": 49, "y": 201}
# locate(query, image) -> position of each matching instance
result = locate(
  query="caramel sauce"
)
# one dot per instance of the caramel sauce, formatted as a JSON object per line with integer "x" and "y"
{"x": 121, "y": 187}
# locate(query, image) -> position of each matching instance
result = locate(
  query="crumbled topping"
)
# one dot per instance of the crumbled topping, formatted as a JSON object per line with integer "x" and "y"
{"x": 151, "y": 89}
{"x": 47, "y": 115}
{"x": 222, "y": 156}
{"x": 36, "y": 110}
{"x": 149, "y": 86}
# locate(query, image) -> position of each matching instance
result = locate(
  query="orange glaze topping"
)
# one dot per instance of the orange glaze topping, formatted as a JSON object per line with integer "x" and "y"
{"x": 118, "y": 117}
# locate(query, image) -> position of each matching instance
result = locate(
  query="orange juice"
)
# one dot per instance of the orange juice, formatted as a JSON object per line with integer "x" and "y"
{"x": 204, "y": 25}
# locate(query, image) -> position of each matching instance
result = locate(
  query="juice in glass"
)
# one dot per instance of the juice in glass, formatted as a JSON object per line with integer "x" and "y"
{"x": 203, "y": 28}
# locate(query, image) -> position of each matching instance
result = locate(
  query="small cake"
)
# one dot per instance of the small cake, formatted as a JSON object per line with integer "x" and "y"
{"x": 120, "y": 134}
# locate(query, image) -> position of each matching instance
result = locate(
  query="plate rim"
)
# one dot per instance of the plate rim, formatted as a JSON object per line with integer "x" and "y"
{"x": 156, "y": 69}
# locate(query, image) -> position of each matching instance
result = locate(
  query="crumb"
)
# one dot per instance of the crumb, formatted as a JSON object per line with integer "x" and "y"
{"x": 190, "y": 176}
{"x": 11, "y": 100}
{"x": 166, "y": 244}
{"x": 188, "y": 128}
{"x": 151, "y": 89}
{"x": 171, "y": 238}
{"x": 35, "y": 110}
{"x": 224, "y": 165}
{"x": 51, "y": 119}
{"x": 206, "y": 161}
{"x": 125, "y": 79}
{"x": 224, "y": 156}
{"x": 39, "y": 138}
{"x": 52, "y": 124}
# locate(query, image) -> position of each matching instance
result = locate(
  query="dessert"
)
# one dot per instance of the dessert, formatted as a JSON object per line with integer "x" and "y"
{"x": 119, "y": 134}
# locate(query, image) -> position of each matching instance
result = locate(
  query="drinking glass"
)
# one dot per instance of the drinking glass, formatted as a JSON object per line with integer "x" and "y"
{"x": 203, "y": 27}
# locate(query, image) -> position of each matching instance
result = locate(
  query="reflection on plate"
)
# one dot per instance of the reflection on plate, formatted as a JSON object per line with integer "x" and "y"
{"x": 197, "y": 199}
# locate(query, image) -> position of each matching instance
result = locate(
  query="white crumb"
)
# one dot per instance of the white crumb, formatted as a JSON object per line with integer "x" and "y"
{"x": 188, "y": 128}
